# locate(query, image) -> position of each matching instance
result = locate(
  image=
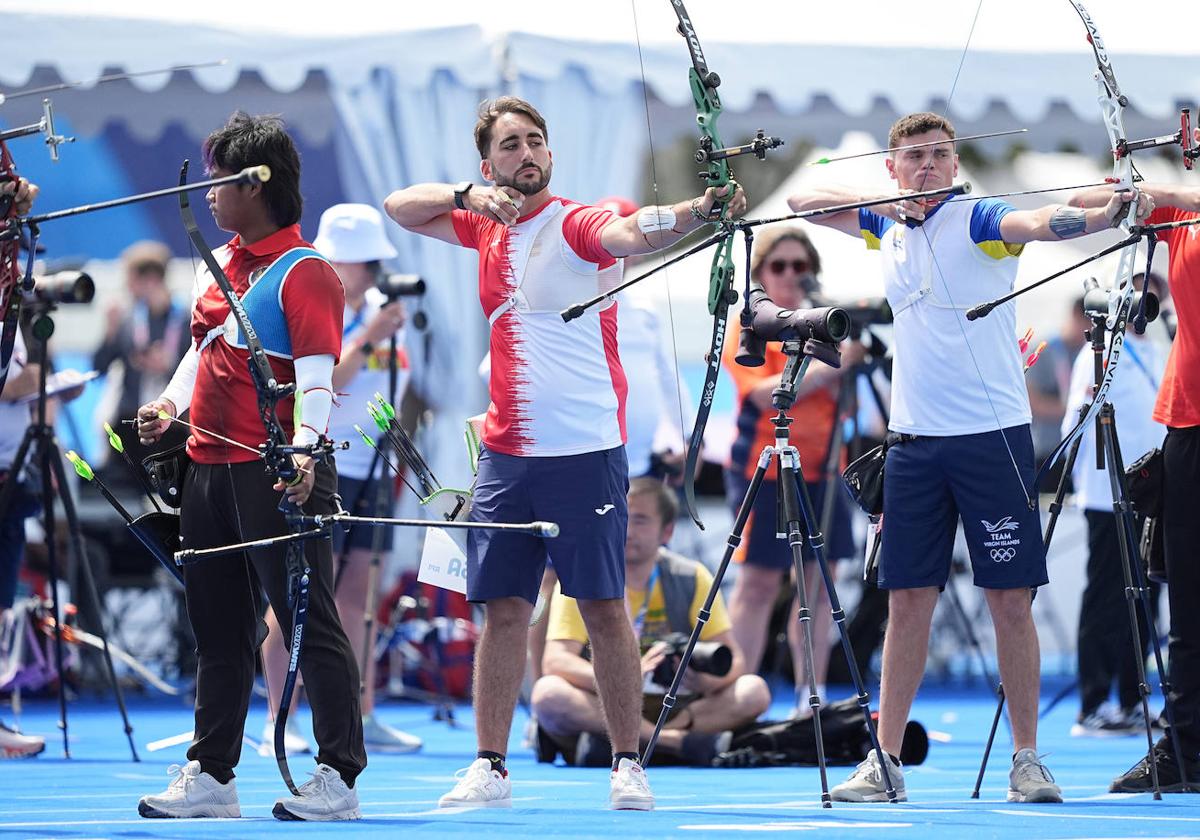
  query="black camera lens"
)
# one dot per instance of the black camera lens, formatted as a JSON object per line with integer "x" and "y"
{"x": 401, "y": 285}
{"x": 64, "y": 287}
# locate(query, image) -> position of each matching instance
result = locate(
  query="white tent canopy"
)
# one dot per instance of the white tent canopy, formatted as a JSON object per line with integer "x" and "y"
{"x": 788, "y": 51}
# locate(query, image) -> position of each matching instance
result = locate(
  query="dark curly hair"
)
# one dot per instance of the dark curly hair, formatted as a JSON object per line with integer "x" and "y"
{"x": 250, "y": 141}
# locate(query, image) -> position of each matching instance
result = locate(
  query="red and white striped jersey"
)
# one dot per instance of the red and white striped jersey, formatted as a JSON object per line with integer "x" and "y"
{"x": 556, "y": 388}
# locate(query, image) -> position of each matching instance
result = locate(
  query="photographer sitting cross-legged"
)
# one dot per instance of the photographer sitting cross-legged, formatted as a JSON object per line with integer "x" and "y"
{"x": 663, "y": 593}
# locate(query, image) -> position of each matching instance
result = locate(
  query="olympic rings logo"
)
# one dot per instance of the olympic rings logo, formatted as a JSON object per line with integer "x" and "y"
{"x": 1003, "y": 555}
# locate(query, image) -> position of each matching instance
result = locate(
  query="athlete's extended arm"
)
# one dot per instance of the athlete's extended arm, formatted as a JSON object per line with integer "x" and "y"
{"x": 654, "y": 228}
{"x": 1056, "y": 221}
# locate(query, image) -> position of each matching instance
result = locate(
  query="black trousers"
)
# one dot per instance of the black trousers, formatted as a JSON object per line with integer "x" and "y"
{"x": 1105, "y": 642}
{"x": 227, "y": 503}
{"x": 1181, "y": 541}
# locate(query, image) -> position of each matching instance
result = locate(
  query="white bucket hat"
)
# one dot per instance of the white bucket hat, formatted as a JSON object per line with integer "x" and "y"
{"x": 353, "y": 233}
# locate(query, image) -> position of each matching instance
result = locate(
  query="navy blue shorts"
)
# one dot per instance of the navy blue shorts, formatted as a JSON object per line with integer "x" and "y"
{"x": 760, "y": 545}
{"x": 930, "y": 482}
{"x": 361, "y": 498}
{"x": 584, "y": 494}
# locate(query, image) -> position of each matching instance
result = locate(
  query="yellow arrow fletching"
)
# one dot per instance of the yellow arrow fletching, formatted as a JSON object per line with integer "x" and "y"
{"x": 114, "y": 439}
{"x": 81, "y": 466}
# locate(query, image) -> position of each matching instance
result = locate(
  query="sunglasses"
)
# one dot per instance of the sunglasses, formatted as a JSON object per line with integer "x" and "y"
{"x": 798, "y": 266}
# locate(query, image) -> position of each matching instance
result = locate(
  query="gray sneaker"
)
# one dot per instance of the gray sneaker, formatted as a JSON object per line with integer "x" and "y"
{"x": 866, "y": 783}
{"x": 381, "y": 738}
{"x": 1030, "y": 781}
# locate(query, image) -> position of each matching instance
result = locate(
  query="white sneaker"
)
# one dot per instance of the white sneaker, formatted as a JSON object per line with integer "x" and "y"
{"x": 15, "y": 745}
{"x": 323, "y": 798}
{"x": 192, "y": 793}
{"x": 381, "y": 738}
{"x": 628, "y": 788}
{"x": 479, "y": 786}
{"x": 866, "y": 783}
{"x": 294, "y": 743}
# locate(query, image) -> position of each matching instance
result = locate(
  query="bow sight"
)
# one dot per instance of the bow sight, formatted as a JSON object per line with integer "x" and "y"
{"x": 44, "y": 126}
{"x": 758, "y": 147}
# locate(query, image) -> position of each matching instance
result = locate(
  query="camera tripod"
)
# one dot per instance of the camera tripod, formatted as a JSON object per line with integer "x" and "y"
{"x": 47, "y": 456}
{"x": 802, "y": 525}
{"x": 1108, "y": 458}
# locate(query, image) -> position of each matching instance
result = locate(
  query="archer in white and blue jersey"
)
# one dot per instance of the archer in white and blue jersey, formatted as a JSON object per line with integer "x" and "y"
{"x": 960, "y": 419}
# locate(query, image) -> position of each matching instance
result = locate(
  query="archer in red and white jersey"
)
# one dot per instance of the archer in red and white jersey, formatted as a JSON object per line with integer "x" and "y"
{"x": 554, "y": 434}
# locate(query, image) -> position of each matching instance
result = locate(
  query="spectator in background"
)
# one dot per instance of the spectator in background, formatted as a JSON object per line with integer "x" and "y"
{"x": 1105, "y": 641}
{"x": 664, "y": 593}
{"x": 147, "y": 340}
{"x": 351, "y": 236}
{"x": 1048, "y": 382}
{"x": 787, "y": 265}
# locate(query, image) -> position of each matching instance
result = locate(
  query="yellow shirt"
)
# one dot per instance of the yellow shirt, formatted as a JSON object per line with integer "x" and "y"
{"x": 566, "y": 623}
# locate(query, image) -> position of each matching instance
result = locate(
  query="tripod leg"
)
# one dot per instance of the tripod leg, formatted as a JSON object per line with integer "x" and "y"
{"x": 52, "y": 566}
{"x": 987, "y": 750}
{"x": 52, "y": 458}
{"x": 1133, "y": 572}
{"x": 817, "y": 544}
{"x": 791, "y": 506}
{"x": 734, "y": 540}
{"x": 1125, "y": 529}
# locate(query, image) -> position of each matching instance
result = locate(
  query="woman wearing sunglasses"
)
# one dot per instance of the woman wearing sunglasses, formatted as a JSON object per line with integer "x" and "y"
{"x": 785, "y": 262}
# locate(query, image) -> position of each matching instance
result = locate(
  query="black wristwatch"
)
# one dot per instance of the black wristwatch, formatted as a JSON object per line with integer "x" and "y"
{"x": 460, "y": 194}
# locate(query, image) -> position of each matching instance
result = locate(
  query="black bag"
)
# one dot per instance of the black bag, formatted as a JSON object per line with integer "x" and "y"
{"x": 167, "y": 470}
{"x": 1144, "y": 479}
{"x": 791, "y": 742}
{"x": 863, "y": 479}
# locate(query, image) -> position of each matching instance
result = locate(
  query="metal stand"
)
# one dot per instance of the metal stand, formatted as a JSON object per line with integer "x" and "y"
{"x": 1108, "y": 457}
{"x": 48, "y": 457}
{"x": 801, "y": 523}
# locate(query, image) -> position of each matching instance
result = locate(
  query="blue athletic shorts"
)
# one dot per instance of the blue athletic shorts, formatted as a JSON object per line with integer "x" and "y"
{"x": 762, "y": 546}
{"x": 931, "y": 482}
{"x": 584, "y": 494}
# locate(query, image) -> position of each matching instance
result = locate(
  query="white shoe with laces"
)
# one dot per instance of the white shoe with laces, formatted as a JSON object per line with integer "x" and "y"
{"x": 293, "y": 742}
{"x": 628, "y": 788}
{"x": 479, "y": 786}
{"x": 192, "y": 793}
{"x": 323, "y": 798}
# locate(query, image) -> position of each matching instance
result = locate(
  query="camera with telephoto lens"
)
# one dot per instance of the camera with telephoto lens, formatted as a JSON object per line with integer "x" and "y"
{"x": 396, "y": 286}
{"x": 64, "y": 287}
{"x": 770, "y": 322}
{"x": 1095, "y": 301}
{"x": 707, "y": 658}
